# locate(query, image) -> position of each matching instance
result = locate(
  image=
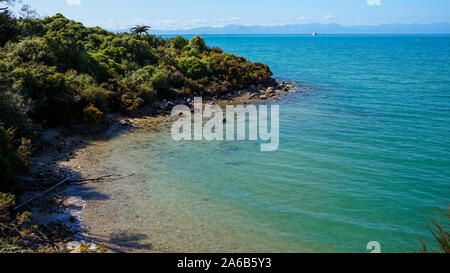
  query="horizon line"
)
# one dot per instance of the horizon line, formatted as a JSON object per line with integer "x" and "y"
{"x": 281, "y": 25}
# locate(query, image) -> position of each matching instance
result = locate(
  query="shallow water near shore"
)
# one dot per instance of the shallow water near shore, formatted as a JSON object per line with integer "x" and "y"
{"x": 361, "y": 155}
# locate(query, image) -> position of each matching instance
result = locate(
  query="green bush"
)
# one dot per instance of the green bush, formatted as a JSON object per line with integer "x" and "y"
{"x": 77, "y": 81}
{"x": 138, "y": 85}
{"x": 31, "y": 27}
{"x": 52, "y": 102}
{"x": 160, "y": 81}
{"x": 167, "y": 58}
{"x": 194, "y": 67}
{"x": 176, "y": 79}
{"x": 30, "y": 49}
{"x": 13, "y": 114}
{"x": 9, "y": 162}
{"x": 7, "y": 201}
{"x": 58, "y": 63}
{"x": 65, "y": 51}
{"x": 143, "y": 75}
{"x": 197, "y": 45}
{"x": 178, "y": 42}
{"x": 92, "y": 115}
{"x": 25, "y": 152}
{"x": 133, "y": 49}
{"x": 96, "y": 95}
{"x": 54, "y": 71}
{"x": 130, "y": 104}
{"x": 8, "y": 27}
{"x": 101, "y": 67}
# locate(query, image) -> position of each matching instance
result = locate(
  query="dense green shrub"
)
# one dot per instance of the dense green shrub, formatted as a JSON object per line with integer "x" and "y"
{"x": 132, "y": 49}
{"x": 167, "y": 57}
{"x": 136, "y": 89}
{"x": 52, "y": 102}
{"x": 8, "y": 27}
{"x": 194, "y": 67}
{"x": 197, "y": 45}
{"x": 130, "y": 103}
{"x": 178, "y": 42}
{"x": 31, "y": 27}
{"x": 7, "y": 201}
{"x": 92, "y": 115}
{"x": 65, "y": 51}
{"x": 28, "y": 50}
{"x": 101, "y": 67}
{"x": 144, "y": 75}
{"x": 95, "y": 95}
{"x": 54, "y": 71}
{"x": 57, "y": 67}
{"x": 176, "y": 79}
{"x": 160, "y": 81}
{"x": 13, "y": 114}
{"x": 9, "y": 162}
{"x": 25, "y": 152}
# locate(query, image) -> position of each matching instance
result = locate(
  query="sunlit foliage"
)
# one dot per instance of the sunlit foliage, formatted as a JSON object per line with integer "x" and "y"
{"x": 54, "y": 71}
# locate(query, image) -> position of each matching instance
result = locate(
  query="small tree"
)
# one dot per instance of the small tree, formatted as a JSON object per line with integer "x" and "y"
{"x": 26, "y": 12}
{"x": 140, "y": 29}
{"x": 8, "y": 26}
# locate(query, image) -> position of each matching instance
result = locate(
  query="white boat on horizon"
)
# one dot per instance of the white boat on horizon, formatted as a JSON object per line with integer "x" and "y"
{"x": 314, "y": 33}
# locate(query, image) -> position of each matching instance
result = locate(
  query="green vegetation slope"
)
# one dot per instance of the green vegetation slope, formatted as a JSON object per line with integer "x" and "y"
{"x": 54, "y": 71}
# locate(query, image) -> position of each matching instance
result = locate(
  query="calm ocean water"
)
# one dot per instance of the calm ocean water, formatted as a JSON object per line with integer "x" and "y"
{"x": 361, "y": 155}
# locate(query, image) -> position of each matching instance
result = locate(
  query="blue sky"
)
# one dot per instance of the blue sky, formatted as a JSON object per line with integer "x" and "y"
{"x": 182, "y": 14}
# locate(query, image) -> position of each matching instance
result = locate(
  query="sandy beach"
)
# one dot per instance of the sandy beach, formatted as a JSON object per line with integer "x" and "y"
{"x": 76, "y": 209}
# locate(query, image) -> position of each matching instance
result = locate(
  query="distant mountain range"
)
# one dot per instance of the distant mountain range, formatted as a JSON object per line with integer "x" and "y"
{"x": 437, "y": 28}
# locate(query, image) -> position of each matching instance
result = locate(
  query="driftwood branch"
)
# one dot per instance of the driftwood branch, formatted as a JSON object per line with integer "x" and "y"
{"x": 93, "y": 179}
{"x": 66, "y": 180}
{"x": 12, "y": 229}
{"x": 34, "y": 180}
{"x": 42, "y": 193}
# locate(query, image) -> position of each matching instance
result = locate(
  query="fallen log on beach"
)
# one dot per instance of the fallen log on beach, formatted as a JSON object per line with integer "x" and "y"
{"x": 66, "y": 180}
{"x": 42, "y": 193}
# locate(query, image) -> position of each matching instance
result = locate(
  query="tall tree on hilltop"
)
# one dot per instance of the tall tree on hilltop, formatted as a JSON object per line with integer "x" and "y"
{"x": 140, "y": 29}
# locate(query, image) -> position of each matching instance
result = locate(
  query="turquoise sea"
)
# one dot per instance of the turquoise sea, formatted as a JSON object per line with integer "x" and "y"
{"x": 363, "y": 154}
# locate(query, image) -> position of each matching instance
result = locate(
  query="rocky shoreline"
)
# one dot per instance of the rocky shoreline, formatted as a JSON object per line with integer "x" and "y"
{"x": 61, "y": 152}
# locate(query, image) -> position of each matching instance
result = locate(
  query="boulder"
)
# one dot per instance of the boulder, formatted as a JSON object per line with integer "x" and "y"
{"x": 169, "y": 104}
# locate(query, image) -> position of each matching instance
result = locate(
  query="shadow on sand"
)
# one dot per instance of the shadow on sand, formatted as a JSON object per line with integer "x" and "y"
{"x": 63, "y": 206}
